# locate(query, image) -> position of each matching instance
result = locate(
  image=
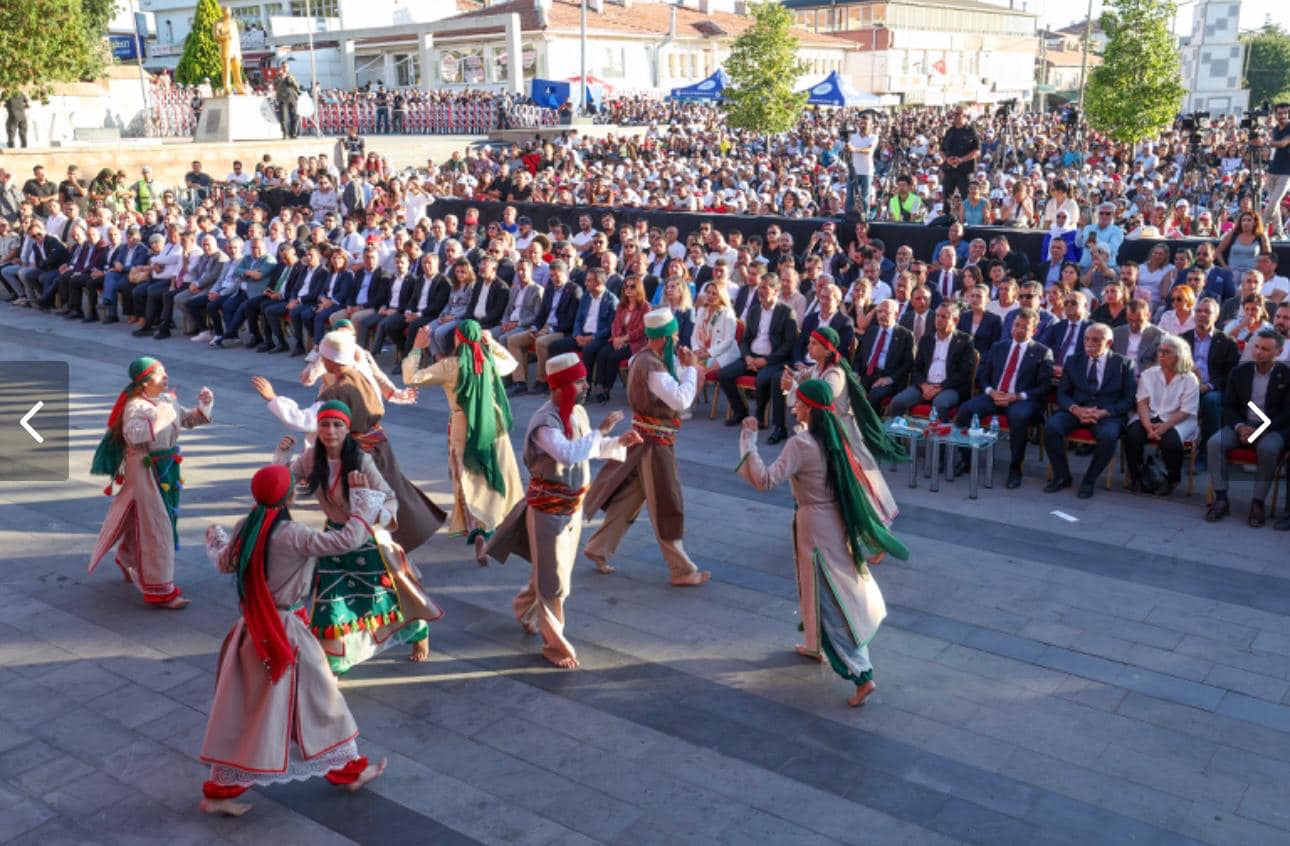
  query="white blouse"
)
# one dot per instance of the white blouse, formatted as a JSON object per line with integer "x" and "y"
{"x": 1164, "y": 399}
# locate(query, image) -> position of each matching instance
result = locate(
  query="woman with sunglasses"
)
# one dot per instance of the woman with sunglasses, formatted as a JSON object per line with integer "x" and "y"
{"x": 626, "y": 337}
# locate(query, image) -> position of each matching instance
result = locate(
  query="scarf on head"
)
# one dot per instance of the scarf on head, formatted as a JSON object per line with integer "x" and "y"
{"x": 864, "y": 530}
{"x": 334, "y": 409}
{"x": 880, "y": 444}
{"x": 564, "y": 394}
{"x": 667, "y": 330}
{"x": 271, "y": 486}
{"x": 482, "y": 398}
{"x": 111, "y": 449}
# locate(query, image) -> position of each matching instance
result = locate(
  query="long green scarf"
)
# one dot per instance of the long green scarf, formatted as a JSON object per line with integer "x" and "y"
{"x": 864, "y": 530}
{"x": 880, "y": 444}
{"x": 482, "y": 398}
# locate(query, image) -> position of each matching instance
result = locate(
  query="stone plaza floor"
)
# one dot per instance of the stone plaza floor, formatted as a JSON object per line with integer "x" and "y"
{"x": 1119, "y": 677}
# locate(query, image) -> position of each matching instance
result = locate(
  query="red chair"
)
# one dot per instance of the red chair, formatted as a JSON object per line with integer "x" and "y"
{"x": 1247, "y": 455}
{"x": 1084, "y": 435}
{"x": 713, "y": 373}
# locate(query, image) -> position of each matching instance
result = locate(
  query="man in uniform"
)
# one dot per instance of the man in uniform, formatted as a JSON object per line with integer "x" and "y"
{"x": 15, "y": 124}
{"x": 287, "y": 90}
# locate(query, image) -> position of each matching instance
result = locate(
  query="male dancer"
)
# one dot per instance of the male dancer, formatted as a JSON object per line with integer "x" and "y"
{"x": 657, "y": 391}
{"x": 545, "y": 526}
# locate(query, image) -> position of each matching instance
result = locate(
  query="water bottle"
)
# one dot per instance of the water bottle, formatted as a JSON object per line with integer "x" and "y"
{"x": 994, "y": 426}
{"x": 932, "y": 418}
{"x": 976, "y": 424}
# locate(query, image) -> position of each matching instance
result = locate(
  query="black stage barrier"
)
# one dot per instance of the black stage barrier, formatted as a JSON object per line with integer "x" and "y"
{"x": 921, "y": 239}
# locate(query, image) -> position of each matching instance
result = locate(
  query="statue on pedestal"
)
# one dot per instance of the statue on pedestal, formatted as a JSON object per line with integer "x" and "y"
{"x": 230, "y": 51}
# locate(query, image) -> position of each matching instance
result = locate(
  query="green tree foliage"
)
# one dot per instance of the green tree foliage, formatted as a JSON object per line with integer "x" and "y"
{"x": 201, "y": 51}
{"x": 1137, "y": 90}
{"x": 46, "y": 41}
{"x": 763, "y": 66}
{"x": 1268, "y": 65}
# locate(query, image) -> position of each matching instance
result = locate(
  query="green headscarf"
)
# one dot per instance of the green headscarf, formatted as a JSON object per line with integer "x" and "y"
{"x": 880, "y": 444}
{"x": 667, "y": 330}
{"x": 482, "y": 398}
{"x": 865, "y": 531}
{"x": 111, "y": 449}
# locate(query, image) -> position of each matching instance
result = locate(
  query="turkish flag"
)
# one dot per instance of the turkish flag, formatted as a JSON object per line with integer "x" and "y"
{"x": 940, "y": 66}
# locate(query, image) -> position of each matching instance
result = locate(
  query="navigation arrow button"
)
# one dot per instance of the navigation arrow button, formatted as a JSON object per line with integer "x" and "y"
{"x": 25, "y": 423}
{"x": 1263, "y": 427}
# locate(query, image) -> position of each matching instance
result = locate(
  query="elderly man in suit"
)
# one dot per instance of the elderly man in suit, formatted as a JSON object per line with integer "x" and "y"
{"x": 1097, "y": 391}
{"x": 1017, "y": 374}
{"x": 1265, "y": 382}
{"x": 1066, "y": 337}
{"x": 1216, "y": 356}
{"x": 553, "y": 323}
{"x": 886, "y": 354}
{"x": 918, "y": 317}
{"x": 943, "y": 367}
{"x": 1137, "y": 340}
{"x": 766, "y": 348}
{"x": 828, "y": 313}
{"x": 522, "y": 304}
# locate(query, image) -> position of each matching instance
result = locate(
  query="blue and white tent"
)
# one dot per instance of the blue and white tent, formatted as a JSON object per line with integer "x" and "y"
{"x": 706, "y": 89}
{"x": 833, "y": 90}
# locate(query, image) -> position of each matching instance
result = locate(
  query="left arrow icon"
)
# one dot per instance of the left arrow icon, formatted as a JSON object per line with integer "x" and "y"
{"x": 25, "y": 423}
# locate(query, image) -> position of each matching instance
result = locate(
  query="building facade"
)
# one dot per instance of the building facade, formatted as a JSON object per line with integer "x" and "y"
{"x": 1213, "y": 60}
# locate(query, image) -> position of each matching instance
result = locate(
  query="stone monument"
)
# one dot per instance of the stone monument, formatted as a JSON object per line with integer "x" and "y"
{"x": 235, "y": 115}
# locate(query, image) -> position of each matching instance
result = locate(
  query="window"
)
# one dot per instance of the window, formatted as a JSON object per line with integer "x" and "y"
{"x": 501, "y": 62}
{"x": 464, "y": 65}
{"x": 407, "y": 70}
{"x": 316, "y": 8}
{"x": 246, "y": 16}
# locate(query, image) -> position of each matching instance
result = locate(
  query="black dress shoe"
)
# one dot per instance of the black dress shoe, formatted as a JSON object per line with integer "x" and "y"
{"x": 162, "y": 334}
{"x": 779, "y": 433}
{"x": 1219, "y": 509}
{"x": 1135, "y": 486}
{"x": 74, "y": 315}
{"x": 1085, "y": 489}
{"x": 962, "y": 466}
{"x": 143, "y": 330}
{"x": 1057, "y": 484}
{"x": 279, "y": 348}
{"x": 110, "y": 319}
{"x": 1014, "y": 478}
{"x": 735, "y": 419}
{"x": 541, "y": 388}
{"x": 298, "y": 351}
{"x": 90, "y": 318}
{"x": 265, "y": 347}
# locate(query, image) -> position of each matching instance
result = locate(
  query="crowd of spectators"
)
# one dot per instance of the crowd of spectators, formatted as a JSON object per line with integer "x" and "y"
{"x": 1168, "y": 351}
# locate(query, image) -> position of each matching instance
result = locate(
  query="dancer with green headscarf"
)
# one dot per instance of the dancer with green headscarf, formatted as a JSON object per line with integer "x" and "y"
{"x": 835, "y": 529}
{"x": 869, "y": 441}
{"x": 486, "y": 480}
{"x": 140, "y": 452}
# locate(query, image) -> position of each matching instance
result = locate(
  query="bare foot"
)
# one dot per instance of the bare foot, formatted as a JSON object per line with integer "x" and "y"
{"x": 128, "y": 575}
{"x": 862, "y": 693}
{"x": 420, "y": 651}
{"x": 603, "y": 567}
{"x": 695, "y": 579}
{"x": 367, "y": 775}
{"x": 176, "y": 604}
{"x": 876, "y": 557}
{"x": 800, "y": 649}
{"x": 227, "y": 807}
{"x": 529, "y": 628}
{"x": 564, "y": 662}
{"x": 480, "y": 556}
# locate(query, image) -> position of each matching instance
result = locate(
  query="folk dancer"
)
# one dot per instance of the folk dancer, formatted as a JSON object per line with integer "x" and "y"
{"x": 140, "y": 451}
{"x": 658, "y": 391}
{"x": 356, "y": 611}
{"x": 546, "y": 525}
{"x": 485, "y": 478}
{"x": 278, "y": 714}
{"x": 835, "y": 527}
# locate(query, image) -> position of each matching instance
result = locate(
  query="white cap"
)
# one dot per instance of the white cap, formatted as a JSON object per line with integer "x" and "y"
{"x": 338, "y": 348}
{"x": 559, "y": 363}
{"x": 658, "y": 317}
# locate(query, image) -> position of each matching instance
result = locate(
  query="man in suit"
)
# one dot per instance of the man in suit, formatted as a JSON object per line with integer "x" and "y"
{"x": 919, "y": 317}
{"x": 1049, "y": 273}
{"x": 1031, "y": 295}
{"x": 371, "y": 293}
{"x": 47, "y": 255}
{"x": 886, "y": 355}
{"x": 1216, "y": 356}
{"x": 1017, "y": 375}
{"x": 251, "y": 276}
{"x": 1219, "y": 283}
{"x": 160, "y": 304}
{"x": 1097, "y": 390}
{"x": 943, "y": 367}
{"x": 428, "y": 299}
{"x": 592, "y": 324}
{"x": 488, "y": 297}
{"x": 92, "y": 280}
{"x": 1137, "y": 340}
{"x": 89, "y": 254}
{"x": 1066, "y": 337}
{"x": 943, "y": 277}
{"x": 553, "y": 324}
{"x": 297, "y": 278}
{"x": 389, "y": 318}
{"x": 828, "y": 313}
{"x": 1265, "y": 382}
{"x": 302, "y": 308}
{"x": 767, "y": 346}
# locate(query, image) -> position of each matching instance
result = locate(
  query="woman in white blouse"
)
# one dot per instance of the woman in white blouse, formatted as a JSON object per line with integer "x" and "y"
{"x": 714, "y": 329}
{"x": 1179, "y": 318}
{"x": 1168, "y": 399}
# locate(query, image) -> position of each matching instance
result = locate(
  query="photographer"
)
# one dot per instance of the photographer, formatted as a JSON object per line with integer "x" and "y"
{"x": 960, "y": 146}
{"x": 861, "y": 145}
{"x": 1278, "y": 171}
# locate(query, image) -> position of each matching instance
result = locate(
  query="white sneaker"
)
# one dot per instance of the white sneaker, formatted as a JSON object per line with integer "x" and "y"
{"x": 202, "y": 338}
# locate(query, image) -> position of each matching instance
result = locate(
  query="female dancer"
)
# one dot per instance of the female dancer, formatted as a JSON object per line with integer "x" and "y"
{"x": 486, "y": 481}
{"x": 140, "y": 452}
{"x": 356, "y": 612}
{"x": 834, "y": 528}
{"x": 278, "y": 714}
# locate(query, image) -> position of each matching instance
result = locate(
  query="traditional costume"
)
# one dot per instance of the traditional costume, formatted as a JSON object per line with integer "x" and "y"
{"x": 869, "y": 441}
{"x": 418, "y": 517}
{"x": 313, "y": 371}
{"x": 485, "y": 478}
{"x": 278, "y": 714}
{"x": 546, "y": 525}
{"x": 834, "y": 528}
{"x": 356, "y": 613}
{"x": 140, "y": 451}
{"x": 657, "y": 394}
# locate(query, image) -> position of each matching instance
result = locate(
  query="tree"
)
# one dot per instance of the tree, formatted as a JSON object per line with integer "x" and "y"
{"x": 1268, "y": 65}
{"x": 43, "y": 42}
{"x": 1137, "y": 90}
{"x": 201, "y": 59}
{"x": 763, "y": 66}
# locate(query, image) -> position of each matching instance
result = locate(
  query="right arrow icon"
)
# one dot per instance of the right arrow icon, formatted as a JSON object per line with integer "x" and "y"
{"x": 1262, "y": 426}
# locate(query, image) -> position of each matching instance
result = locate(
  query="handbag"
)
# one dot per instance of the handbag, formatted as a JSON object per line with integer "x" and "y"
{"x": 1153, "y": 475}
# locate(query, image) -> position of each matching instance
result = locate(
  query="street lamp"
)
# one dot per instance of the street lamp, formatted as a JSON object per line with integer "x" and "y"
{"x": 313, "y": 70}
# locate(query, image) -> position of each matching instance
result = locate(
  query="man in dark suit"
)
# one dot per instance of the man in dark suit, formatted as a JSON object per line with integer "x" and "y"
{"x": 767, "y": 346}
{"x": 389, "y": 315}
{"x": 425, "y": 305}
{"x": 942, "y": 277}
{"x": 1216, "y": 356}
{"x": 47, "y": 255}
{"x": 1050, "y": 272}
{"x": 828, "y": 313}
{"x": 1066, "y": 337}
{"x": 1137, "y": 339}
{"x": 300, "y": 311}
{"x": 294, "y": 280}
{"x": 943, "y": 368}
{"x": 488, "y": 297}
{"x": 554, "y": 322}
{"x": 886, "y": 355}
{"x": 592, "y": 324}
{"x": 1097, "y": 390}
{"x": 1265, "y": 382}
{"x": 1017, "y": 374}
{"x": 371, "y": 294}
{"x": 919, "y": 317}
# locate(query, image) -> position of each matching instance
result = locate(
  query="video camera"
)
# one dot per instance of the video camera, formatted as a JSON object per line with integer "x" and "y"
{"x": 1005, "y": 109}
{"x": 1192, "y": 123}
{"x": 1252, "y": 117}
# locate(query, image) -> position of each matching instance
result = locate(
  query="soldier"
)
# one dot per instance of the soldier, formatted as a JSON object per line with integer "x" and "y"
{"x": 287, "y": 91}
{"x": 16, "y": 117}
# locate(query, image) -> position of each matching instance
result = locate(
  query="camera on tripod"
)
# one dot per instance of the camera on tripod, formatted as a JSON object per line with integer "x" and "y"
{"x": 1252, "y": 117}
{"x": 1192, "y": 123}
{"x": 1005, "y": 109}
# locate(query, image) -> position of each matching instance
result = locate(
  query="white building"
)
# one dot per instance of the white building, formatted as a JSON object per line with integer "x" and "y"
{"x": 1213, "y": 60}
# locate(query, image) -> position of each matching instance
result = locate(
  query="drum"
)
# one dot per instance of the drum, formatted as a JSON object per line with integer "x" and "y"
{"x": 305, "y": 106}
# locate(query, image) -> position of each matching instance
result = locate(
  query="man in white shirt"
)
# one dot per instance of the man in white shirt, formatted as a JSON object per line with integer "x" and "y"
{"x": 1275, "y": 287}
{"x": 1137, "y": 340}
{"x": 524, "y": 300}
{"x": 860, "y": 147}
{"x": 586, "y": 235}
{"x": 238, "y": 177}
